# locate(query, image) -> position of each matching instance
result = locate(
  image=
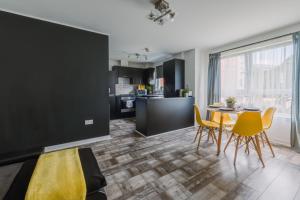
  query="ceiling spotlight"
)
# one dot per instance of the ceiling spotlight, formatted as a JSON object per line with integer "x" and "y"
{"x": 162, "y": 12}
{"x": 137, "y": 56}
{"x": 172, "y": 16}
{"x": 146, "y": 49}
{"x": 151, "y": 16}
{"x": 161, "y": 22}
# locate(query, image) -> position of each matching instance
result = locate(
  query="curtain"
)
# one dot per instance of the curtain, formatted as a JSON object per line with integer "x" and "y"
{"x": 214, "y": 78}
{"x": 295, "y": 132}
{"x": 261, "y": 76}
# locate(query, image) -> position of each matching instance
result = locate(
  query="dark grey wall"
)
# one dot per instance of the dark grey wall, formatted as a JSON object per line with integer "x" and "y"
{"x": 52, "y": 78}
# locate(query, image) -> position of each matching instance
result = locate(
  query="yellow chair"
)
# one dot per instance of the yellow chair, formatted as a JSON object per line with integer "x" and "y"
{"x": 204, "y": 124}
{"x": 227, "y": 120}
{"x": 248, "y": 127}
{"x": 267, "y": 120}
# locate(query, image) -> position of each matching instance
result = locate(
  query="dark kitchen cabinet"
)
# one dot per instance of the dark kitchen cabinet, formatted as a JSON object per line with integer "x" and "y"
{"x": 148, "y": 75}
{"x": 112, "y": 80}
{"x": 113, "y": 107}
{"x": 159, "y": 71}
{"x": 173, "y": 74}
{"x": 123, "y": 72}
{"x": 136, "y": 75}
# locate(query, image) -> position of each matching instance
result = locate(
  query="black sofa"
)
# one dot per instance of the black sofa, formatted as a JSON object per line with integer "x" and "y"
{"x": 95, "y": 181}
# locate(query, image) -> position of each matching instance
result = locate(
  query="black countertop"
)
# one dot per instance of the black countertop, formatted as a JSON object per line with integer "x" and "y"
{"x": 164, "y": 98}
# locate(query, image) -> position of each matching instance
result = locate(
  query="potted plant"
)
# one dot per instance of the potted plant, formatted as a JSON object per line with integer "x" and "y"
{"x": 230, "y": 102}
{"x": 185, "y": 92}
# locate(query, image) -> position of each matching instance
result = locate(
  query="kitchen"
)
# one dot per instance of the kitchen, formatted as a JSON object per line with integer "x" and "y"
{"x": 155, "y": 96}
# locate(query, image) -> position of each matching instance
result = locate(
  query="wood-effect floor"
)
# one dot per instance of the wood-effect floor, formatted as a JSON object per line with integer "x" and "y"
{"x": 168, "y": 166}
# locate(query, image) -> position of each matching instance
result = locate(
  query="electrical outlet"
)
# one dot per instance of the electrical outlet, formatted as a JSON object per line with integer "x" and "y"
{"x": 88, "y": 122}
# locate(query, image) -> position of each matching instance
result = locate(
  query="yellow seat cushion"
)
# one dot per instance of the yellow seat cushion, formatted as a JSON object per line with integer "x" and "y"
{"x": 210, "y": 124}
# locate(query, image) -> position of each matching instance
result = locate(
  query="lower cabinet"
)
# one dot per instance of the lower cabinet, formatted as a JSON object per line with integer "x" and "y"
{"x": 112, "y": 107}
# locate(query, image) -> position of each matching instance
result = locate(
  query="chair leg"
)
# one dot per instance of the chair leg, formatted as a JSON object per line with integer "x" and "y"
{"x": 268, "y": 142}
{"x": 228, "y": 142}
{"x": 214, "y": 135}
{"x": 262, "y": 140}
{"x": 211, "y": 135}
{"x": 201, "y": 131}
{"x": 200, "y": 138}
{"x": 247, "y": 145}
{"x": 197, "y": 133}
{"x": 257, "y": 148}
{"x": 236, "y": 149}
{"x": 208, "y": 135}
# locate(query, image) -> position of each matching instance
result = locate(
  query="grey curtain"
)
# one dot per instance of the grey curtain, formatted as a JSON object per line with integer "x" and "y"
{"x": 295, "y": 134}
{"x": 214, "y": 78}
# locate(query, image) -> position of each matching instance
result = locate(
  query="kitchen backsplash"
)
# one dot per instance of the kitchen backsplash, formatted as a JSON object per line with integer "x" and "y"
{"x": 124, "y": 89}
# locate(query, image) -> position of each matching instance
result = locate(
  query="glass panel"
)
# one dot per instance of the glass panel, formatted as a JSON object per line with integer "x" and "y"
{"x": 260, "y": 78}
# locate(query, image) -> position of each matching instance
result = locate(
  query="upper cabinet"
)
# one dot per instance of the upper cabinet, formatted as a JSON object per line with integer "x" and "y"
{"x": 135, "y": 75}
{"x": 148, "y": 76}
{"x": 173, "y": 74}
{"x": 159, "y": 71}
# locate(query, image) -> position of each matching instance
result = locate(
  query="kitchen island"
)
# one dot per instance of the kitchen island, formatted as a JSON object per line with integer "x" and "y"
{"x": 159, "y": 115}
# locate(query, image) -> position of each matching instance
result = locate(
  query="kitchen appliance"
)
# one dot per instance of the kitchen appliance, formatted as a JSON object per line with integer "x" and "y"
{"x": 127, "y": 104}
{"x": 141, "y": 92}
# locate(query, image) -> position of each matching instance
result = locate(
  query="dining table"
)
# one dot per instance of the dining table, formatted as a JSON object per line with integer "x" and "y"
{"x": 222, "y": 111}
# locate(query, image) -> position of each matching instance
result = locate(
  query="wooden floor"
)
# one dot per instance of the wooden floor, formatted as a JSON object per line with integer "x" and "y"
{"x": 168, "y": 166}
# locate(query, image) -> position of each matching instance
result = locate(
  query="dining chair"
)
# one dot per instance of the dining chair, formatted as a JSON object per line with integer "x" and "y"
{"x": 227, "y": 120}
{"x": 267, "y": 120}
{"x": 248, "y": 126}
{"x": 211, "y": 126}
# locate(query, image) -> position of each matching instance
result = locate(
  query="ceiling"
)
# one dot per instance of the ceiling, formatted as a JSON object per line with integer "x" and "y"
{"x": 198, "y": 24}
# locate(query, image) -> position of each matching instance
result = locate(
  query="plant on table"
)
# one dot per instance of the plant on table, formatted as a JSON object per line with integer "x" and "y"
{"x": 230, "y": 102}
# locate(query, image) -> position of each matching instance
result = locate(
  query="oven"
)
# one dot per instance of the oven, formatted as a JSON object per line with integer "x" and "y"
{"x": 127, "y": 104}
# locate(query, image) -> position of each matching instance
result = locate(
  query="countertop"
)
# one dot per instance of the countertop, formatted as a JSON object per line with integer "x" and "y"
{"x": 162, "y": 98}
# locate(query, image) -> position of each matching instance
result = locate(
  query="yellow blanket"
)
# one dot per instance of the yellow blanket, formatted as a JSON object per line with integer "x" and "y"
{"x": 57, "y": 176}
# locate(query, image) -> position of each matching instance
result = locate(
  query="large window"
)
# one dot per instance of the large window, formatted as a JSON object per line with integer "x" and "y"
{"x": 260, "y": 75}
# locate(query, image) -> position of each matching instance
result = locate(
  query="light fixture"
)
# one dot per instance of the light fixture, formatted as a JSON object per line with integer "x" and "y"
{"x": 162, "y": 12}
{"x": 138, "y": 56}
{"x": 142, "y": 55}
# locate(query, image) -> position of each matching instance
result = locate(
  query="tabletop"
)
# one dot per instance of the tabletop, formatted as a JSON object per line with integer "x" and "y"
{"x": 233, "y": 111}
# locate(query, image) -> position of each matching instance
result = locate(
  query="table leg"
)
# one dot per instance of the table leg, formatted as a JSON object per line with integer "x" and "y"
{"x": 220, "y": 135}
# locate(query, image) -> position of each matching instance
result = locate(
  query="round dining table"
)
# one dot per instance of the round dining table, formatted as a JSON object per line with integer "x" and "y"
{"x": 223, "y": 110}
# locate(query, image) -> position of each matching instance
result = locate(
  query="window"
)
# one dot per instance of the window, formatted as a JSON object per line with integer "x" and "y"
{"x": 260, "y": 75}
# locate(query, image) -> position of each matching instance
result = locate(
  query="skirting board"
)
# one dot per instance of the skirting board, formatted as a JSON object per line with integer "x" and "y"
{"x": 76, "y": 143}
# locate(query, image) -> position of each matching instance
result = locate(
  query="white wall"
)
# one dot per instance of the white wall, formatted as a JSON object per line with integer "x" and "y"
{"x": 190, "y": 63}
{"x": 201, "y": 71}
{"x": 113, "y": 63}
